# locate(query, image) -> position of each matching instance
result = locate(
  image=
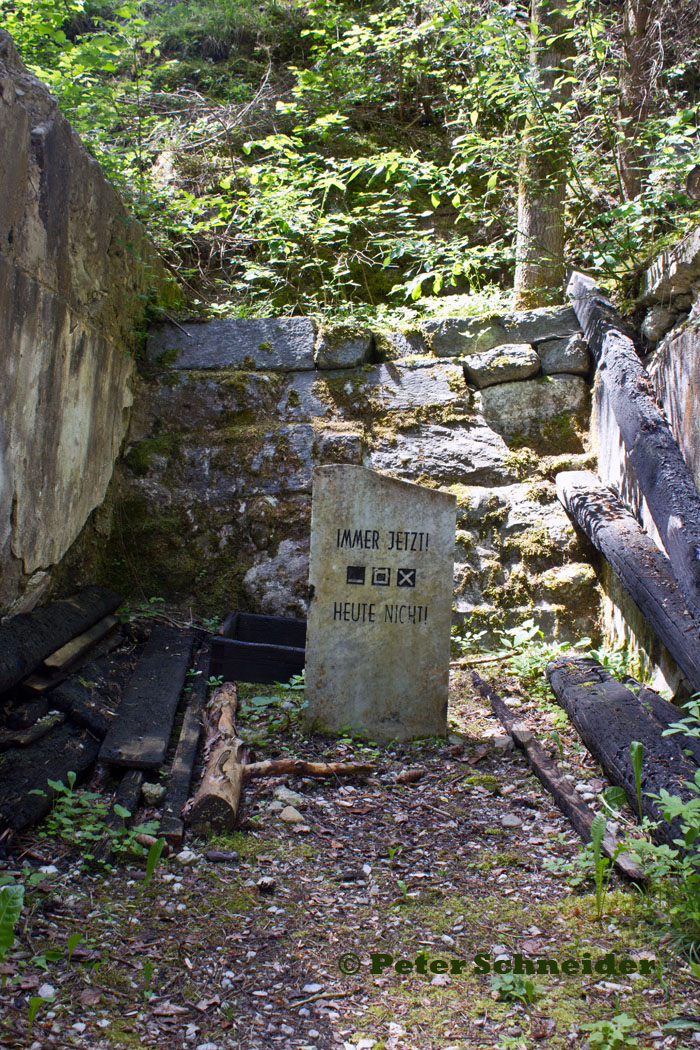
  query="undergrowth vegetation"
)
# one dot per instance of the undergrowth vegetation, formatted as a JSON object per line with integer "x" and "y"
{"x": 344, "y": 157}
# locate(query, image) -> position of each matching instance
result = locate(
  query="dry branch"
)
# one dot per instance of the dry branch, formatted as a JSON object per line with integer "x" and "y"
{"x": 273, "y": 767}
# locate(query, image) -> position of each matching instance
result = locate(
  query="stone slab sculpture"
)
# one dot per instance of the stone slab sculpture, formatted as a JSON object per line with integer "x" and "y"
{"x": 378, "y": 633}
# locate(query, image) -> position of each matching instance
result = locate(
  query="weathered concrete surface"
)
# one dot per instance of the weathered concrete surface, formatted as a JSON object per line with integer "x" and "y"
{"x": 503, "y": 364}
{"x": 378, "y": 634}
{"x": 275, "y": 344}
{"x": 674, "y": 272}
{"x": 75, "y": 273}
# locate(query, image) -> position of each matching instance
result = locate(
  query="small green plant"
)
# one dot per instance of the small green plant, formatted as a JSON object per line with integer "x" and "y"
{"x": 34, "y": 1003}
{"x": 79, "y": 818}
{"x": 154, "y": 855}
{"x": 601, "y": 863}
{"x": 11, "y": 902}
{"x": 513, "y": 987}
{"x": 215, "y": 680}
{"x": 614, "y": 1034}
{"x": 637, "y": 756}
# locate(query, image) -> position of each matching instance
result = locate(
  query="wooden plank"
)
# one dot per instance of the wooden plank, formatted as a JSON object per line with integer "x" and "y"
{"x": 92, "y": 695}
{"x": 29, "y": 638}
{"x": 643, "y": 570}
{"x": 138, "y": 737}
{"x": 177, "y": 791}
{"x": 547, "y": 772}
{"x": 25, "y": 769}
{"x": 608, "y": 717}
{"x": 652, "y": 451}
{"x": 71, "y": 652}
{"x": 24, "y": 737}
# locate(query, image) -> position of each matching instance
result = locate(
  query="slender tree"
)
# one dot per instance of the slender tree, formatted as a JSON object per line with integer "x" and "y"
{"x": 542, "y": 176}
{"x": 641, "y": 59}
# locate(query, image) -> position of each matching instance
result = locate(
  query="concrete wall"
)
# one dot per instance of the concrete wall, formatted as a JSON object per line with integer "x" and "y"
{"x": 75, "y": 274}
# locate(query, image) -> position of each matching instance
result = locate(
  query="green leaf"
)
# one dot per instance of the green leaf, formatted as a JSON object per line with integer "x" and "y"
{"x": 11, "y": 901}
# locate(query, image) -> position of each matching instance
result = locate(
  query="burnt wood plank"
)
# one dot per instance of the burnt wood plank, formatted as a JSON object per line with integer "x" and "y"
{"x": 128, "y": 795}
{"x": 608, "y": 717}
{"x": 178, "y": 785}
{"x": 651, "y": 448}
{"x": 92, "y": 695}
{"x": 23, "y": 770}
{"x": 643, "y": 570}
{"x": 138, "y": 737}
{"x": 548, "y": 773}
{"x": 29, "y": 638}
{"x": 68, "y": 654}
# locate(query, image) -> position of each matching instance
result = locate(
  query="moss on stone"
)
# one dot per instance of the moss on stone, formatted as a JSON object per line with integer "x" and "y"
{"x": 139, "y": 457}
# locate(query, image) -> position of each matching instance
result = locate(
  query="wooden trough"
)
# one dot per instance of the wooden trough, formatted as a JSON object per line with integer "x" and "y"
{"x": 254, "y": 648}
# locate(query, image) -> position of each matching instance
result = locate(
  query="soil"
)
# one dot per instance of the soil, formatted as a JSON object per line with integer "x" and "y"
{"x": 238, "y": 943}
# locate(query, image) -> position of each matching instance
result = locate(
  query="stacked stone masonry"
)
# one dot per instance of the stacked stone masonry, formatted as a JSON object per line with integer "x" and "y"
{"x": 215, "y": 485}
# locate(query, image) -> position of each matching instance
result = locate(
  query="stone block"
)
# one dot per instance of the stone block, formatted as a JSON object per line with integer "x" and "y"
{"x": 568, "y": 355}
{"x": 503, "y": 364}
{"x": 343, "y": 347}
{"x": 378, "y": 634}
{"x": 673, "y": 272}
{"x": 470, "y": 454}
{"x": 522, "y": 408}
{"x": 545, "y": 322}
{"x": 269, "y": 344}
{"x": 459, "y": 336}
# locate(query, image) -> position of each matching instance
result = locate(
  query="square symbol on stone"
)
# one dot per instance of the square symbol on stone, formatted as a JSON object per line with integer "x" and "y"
{"x": 381, "y": 577}
{"x": 405, "y": 577}
{"x": 355, "y": 574}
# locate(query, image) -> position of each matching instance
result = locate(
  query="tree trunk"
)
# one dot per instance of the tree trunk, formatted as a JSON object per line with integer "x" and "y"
{"x": 539, "y": 250}
{"x": 639, "y": 41}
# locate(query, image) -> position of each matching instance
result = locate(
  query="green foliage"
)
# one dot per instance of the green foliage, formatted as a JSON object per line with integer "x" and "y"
{"x": 11, "y": 901}
{"x": 613, "y": 1034}
{"x": 513, "y": 987}
{"x": 637, "y": 757}
{"x": 78, "y": 818}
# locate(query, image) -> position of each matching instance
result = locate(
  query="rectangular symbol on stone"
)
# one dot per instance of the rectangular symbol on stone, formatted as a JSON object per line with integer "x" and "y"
{"x": 405, "y": 577}
{"x": 377, "y": 657}
{"x": 381, "y": 577}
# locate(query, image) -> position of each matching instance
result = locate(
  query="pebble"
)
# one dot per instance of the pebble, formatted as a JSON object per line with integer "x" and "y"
{"x": 79, "y": 1026}
{"x": 276, "y": 806}
{"x": 290, "y": 815}
{"x": 441, "y": 980}
{"x": 266, "y": 884}
{"x": 220, "y": 856}
{"x": 509, "y": 820}
{"x": 290, "y": 798}
{"x": 48, "y": 869}
{"x": 152, "y": 793}
{"x": 186, "y": 856}
{"x": 46, "y": 991}
{"x": 502, "y": 742}
{"x": 312, "y": 989}
{"x": 207, "y": 1046}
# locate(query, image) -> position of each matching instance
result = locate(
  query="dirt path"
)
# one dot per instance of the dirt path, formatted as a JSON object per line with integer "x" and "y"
{"x": 397, "y": 882}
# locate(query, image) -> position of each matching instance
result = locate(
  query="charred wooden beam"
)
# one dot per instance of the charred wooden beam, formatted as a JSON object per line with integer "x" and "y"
{"x": 92, "y": 695}
{"x": 26, "y": 640}
{"x": 547, "y": 772}
{"x": 64, "y": 749}
{"x": 180, "y": 776}
{"x": 138, "y": 736}
{"x": 643, "y": 570}
{"x": 608, "y": 716}
{"x": 651, "y": 448}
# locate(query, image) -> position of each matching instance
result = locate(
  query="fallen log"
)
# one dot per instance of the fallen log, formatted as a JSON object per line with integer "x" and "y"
{"x": 26, "y": 640}
{"x": 652, "y": 450}
{"x": 138, "y": 736}
{"x": 275, "y": 767}
{"x": 573, "y": 807}
{"x": 608, "y": 717}
{"x": 215, "y": 806}
{"x": 643, "y": 570}
{"x": 180, "y": 776}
